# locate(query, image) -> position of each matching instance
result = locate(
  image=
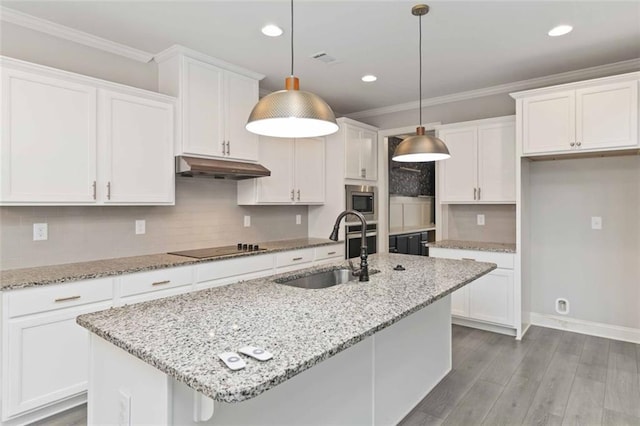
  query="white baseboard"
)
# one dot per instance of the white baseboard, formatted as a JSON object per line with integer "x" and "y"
{"x": 591, "y": 328}
{"x": 483, "y": 326}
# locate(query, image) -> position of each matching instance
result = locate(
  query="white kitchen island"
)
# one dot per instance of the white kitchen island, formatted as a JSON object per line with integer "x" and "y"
{"x": 356, "y": 353}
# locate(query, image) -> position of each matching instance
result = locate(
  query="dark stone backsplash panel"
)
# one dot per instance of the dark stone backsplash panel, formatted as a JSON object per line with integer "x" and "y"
{"x": 410, "y": 183}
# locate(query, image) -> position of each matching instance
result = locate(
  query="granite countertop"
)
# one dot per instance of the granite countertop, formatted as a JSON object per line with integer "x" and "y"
{"x": 475, "y": 245}
{"x": 55, "y": 274}
{"x": 182, "y": 335}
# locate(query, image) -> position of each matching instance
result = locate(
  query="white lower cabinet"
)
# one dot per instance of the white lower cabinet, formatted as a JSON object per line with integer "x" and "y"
{"x": 490, "y": 298}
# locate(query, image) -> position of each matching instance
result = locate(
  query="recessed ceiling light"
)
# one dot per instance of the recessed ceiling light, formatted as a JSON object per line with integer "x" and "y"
{"x": 369, "y": 78}
{"x": 272, "y": 30}
{"x": 560, "y": 30}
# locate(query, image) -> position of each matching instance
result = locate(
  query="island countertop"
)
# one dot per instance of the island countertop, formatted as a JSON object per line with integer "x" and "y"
{"x": 182, "y": 335}
{"x": 474, "y": 245}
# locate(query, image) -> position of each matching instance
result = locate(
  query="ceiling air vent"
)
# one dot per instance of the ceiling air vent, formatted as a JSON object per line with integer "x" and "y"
{"x": 323, "y": 57}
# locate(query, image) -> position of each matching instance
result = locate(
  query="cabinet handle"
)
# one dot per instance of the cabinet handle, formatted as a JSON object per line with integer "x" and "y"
{"x": 298, "y": 195}
{"x": 297, "y": 258}
{"x": 331, "y": 252}
{"x": 292, "y": 195}
{"x": 94, "y": 189}
{"x": 161, "y": 282}
{"x": 572, "y": 144}
{"x": 479, "y": 193}
{"x": 228, "y": 148}
{"x": 475, "y": 191}
{"x": 363, "y": 173}
{"x": 468, "y": 258}
{"x": 224, "y": 148}
{"x": 108, "y": 190}
{"x": 578, "y": 143}
{"x": 66, "y": 299}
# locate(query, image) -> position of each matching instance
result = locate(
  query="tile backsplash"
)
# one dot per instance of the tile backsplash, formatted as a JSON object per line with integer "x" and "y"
{"x": 410, "y": 179}
{"x": 205, "y": 215}
{"x": 499, "y": 227}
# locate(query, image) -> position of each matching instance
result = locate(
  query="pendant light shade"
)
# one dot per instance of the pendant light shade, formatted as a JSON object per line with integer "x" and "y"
{"x": 421, "y": 147}
{"x": 292, "y": 113}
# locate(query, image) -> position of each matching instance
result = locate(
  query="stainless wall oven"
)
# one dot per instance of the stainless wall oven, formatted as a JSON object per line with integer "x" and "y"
{"x": 354, "y": 239}
{"x": 362, "y": 198}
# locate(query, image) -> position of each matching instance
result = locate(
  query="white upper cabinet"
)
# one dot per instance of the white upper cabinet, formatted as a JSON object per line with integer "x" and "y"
{"x": 360, "y": 149}
{"x": 482, "y": 164}
{"x": 137, "y": 136}
{"x": 297, "y": 173}
{"x": 68, "y": 139}
{"x": 589, "y": 116}
{"x": 215, "y": 100}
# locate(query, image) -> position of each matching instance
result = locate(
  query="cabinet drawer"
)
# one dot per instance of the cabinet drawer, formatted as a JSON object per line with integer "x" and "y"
{"x": 145, "y": 282}
{"x": 503, "y": 260}
{"x": 296, "y": 257}
{"x": 233, "y": 267}
{"x": 330, "y": 252}
{"x": 59, "y": 296}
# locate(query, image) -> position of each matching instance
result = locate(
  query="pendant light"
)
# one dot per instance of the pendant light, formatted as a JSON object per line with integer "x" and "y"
{"x": 421, "y": 147}
{"x": 292, "y": 113}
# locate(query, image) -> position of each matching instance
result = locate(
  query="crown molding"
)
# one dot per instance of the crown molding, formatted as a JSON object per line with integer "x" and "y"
{"x": 565, "y": 77}
{"x": 61, "y": 31}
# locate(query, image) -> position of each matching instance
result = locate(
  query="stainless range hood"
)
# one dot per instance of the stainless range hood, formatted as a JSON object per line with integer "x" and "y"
{"x": 219, "y": 169}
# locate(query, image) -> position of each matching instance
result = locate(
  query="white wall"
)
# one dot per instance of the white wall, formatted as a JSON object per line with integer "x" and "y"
{"x": 597, "y": 271}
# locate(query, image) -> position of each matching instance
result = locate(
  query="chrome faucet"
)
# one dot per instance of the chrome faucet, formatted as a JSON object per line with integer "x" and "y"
{"x": 363, "y": 272}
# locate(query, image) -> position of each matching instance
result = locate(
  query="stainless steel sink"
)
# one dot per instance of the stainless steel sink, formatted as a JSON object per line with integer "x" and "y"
{"x": 322, "y": 279}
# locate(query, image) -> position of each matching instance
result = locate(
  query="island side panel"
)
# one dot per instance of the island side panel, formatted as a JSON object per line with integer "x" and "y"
{"x": 411, "y": 357}
{"x": 124, "y": 390}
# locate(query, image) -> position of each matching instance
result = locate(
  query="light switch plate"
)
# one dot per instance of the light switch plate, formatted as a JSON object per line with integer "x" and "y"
{"x": 596, "y": 222}
{"x": 40, "y": 232}
{"x": 141, "y": 227}
{"x": 298, "y": 219}
{"x": 247, "y": 221}
{"x": 481, "y": 219}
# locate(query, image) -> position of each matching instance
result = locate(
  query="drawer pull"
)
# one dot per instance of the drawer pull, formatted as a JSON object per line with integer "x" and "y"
{"x": 66, "y": 299}
{"x": 297, "y": 258}
{"x": 331, "y": 252}
{"x": 161, "y": 282}
{"x": 468, "y": 258}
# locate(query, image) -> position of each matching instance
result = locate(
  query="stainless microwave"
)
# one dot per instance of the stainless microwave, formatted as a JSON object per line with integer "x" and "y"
{"x": 362, "y": 199}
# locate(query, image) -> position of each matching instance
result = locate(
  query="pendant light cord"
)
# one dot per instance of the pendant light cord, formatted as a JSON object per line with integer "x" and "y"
{"x": 292, "y": 38}
{"x": 420, "y": 53}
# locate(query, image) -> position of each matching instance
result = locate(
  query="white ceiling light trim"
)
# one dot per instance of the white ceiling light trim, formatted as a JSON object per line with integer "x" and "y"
{"x": 272, "y": 30}
{"x": 77, "y": 36}
{"x": 560, "y": 30}
{"x": 630, "y": 65}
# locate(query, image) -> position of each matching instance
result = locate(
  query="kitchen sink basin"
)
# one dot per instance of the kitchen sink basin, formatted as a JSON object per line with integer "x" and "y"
{"x": 322, "y": 279}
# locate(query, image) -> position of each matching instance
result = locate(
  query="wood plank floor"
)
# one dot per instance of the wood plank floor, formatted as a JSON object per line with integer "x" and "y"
{"x": 551, "y": 377}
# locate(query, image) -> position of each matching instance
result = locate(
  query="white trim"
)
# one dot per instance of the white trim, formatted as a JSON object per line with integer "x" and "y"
{"x": 579, "y": 84}
{"x": 347, "y": 120}
{"x": 591, "y": 328}
{"x": 177, "y": 49}
{"x": 583, "y": 74}
{"x": 71, "y": 34}
{"x": 482, "y": 122}
{"x": 509, "y": 331}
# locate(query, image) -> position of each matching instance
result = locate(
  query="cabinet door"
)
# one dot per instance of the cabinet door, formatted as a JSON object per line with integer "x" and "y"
{"x": 353, "y": 165}
{"x": 607, "y": 116}
{"x": 459, "y": 173}
{"x": 202, "y": 109}
{"x": 497, "y": 163}
{"x": 414, "y": 244}
{"x": 369, "y": 154}
{"x": 491, "y": 297}
{"x": 138, "y": 162}
{"x": 241, "y": 96}
{"x": 309, "y": 170}
{"x": 276, "y": 154}
{"x": 48, "y": 139}
{"x": 549, "y": 122}
{"x": 47, "y": 359}
{"x": 460, "y": 302}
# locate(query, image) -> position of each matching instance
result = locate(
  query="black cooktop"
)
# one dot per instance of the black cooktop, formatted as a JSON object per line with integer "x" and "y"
{"x": 215, "y": 252}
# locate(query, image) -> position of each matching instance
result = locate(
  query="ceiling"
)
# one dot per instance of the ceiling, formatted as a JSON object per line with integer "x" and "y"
{"x": 467, "y": 45}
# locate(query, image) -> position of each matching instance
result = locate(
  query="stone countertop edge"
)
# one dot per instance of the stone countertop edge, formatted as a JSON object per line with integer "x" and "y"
{"x": 475, "y": 246}
{"x": 13, "y": 279}
{"x": 230, "y": 387}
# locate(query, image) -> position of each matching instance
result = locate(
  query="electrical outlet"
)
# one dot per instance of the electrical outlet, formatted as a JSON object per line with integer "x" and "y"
{"x": 247, "y": 221}
{"x": 40, "y": 232}
{"x": 596, "y": 222}
{"x": 141, "y": 227}
{"x": 124, "y": 412}
{"x": 481, "y": 219}
{"x": 298, "y": 219}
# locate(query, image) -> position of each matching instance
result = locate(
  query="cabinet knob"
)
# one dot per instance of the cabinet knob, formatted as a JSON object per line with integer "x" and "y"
{"x": 572, "y": 144}
{"x": 578, "y": 143}
{"x": 363, "y": 172}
